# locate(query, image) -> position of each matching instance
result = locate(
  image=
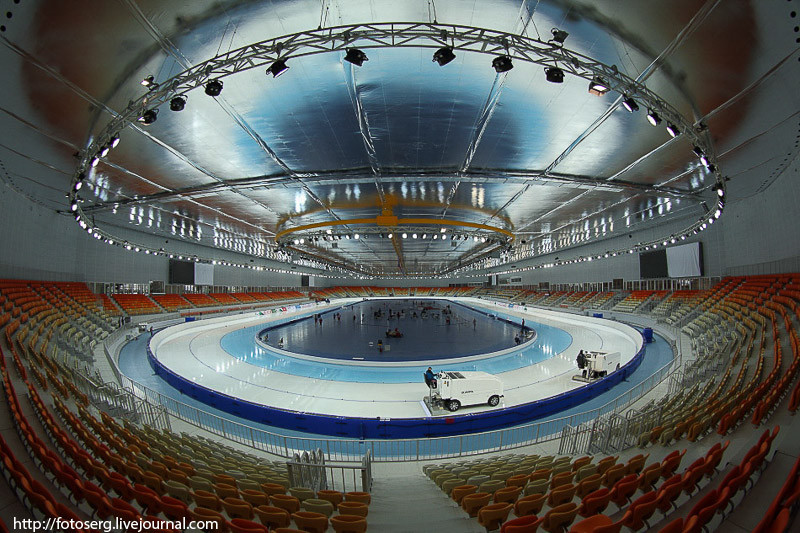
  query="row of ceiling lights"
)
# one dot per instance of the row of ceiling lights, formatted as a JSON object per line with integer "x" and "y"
{"x": 97, "y": 234}
{"x": 701, "y": 225}
{"x": 405, "y": 235}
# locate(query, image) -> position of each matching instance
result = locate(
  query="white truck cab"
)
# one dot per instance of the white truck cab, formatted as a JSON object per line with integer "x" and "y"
{"x": 455, "y": 389}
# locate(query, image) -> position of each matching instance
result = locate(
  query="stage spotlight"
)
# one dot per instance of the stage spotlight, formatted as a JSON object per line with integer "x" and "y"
{"x": 653, "y": 118}
{"x": 73, "y": 207}
{"x": 435, "y": 236}
{"x": 114, "y": 141}
{"x": 444, "y": 55}
{"x": 104, "y": 150}
{"x": 356, "y": 236}
{"x": 673, "y": 130}
{"x": 95, "y": 161}
{"x": 502, "y": 64}
{"x": 213, "y": 88}
{"x": 720, "y": 191}
{"x": 424, "y": 235}
{"x": 355, "y": 56}
{"x": 148, "y": 117}
{"x": 414, "y": 236}
{"x": 630, "y": 105}
{"x": 277, "y": 68}
{"x": 554, "y": 75}
{"x": 697, "y": 151}
{"x": 177, "y": 103}
{"x": 150, "y": 83}
{"x": 559, "y": 36}
{"x": 598, "y": 86}
{"x": 390, "y": 235}
{"x": 405, "y": 235}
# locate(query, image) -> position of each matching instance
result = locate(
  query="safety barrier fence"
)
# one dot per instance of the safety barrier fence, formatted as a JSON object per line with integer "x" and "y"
{"x": 313, "y": 471}
{"x": 390, "y": 450}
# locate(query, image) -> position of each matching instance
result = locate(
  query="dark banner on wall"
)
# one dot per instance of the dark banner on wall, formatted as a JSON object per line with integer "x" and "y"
{"x": 181, "y": 272}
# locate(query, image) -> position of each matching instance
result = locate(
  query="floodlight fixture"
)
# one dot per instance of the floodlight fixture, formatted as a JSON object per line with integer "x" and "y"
{"x": 598, "y": 86}
{"x": 554, "y": 75}
{"x": 355, "y": 56}
{"x": 178, "y": 103}
{"x": 277, "y": 68}
{"x": 559, "y": 36}
{"x": 630, "y": 105}
{"x": 213, "y": 88}
{"x": 150, "y": 83}
{"x": 673, "y": 130}
{"x": 653, "y": 118}
{"x": 502, "y": 64}
{"x": 444, "y": 55}
{"x": 148, "y": 117}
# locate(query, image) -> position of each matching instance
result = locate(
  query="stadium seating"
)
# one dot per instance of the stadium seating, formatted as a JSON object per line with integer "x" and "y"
{"x": 87, "y": 463}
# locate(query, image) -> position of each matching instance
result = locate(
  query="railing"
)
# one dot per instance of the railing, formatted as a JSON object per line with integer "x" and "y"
{"x": 312, "y": 471}
{"x": 352, "y": 450}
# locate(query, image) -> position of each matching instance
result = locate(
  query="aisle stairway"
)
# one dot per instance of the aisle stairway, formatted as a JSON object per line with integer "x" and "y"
{"x": 425, "y": 507}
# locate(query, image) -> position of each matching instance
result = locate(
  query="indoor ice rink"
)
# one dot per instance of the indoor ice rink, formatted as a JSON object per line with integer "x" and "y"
{"x": 338, "y": 266}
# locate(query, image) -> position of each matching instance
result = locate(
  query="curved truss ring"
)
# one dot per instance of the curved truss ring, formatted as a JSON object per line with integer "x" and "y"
{"x": 393, "y": 35}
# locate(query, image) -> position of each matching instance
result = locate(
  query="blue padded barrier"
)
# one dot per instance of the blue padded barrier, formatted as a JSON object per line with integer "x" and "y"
{"x": 400, "y": 428}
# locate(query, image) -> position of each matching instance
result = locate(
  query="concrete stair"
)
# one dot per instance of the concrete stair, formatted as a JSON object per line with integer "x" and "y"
{"x": 412, "y": 503}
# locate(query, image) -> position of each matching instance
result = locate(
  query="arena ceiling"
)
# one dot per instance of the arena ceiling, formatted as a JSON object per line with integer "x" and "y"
{"x": 513, "y": 166}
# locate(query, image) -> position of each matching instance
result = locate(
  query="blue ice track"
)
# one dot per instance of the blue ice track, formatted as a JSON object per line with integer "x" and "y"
{"x": 428, "y": 333}
{"x": 241, "y": 345}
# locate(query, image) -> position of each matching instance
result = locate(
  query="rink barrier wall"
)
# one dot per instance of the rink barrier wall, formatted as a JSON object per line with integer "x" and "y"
{"x": 397, "y": 428}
